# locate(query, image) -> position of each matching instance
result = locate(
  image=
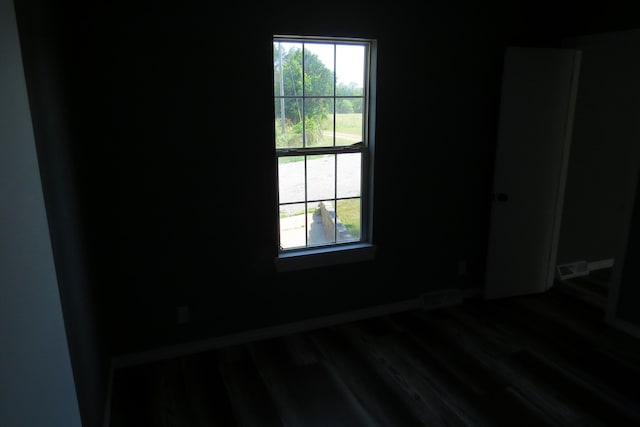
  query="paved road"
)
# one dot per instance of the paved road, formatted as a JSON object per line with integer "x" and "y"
{"x": 321, "y": 172}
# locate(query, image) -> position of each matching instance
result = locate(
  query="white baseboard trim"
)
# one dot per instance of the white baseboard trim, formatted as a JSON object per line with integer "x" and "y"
{"x": 193, "y": 347}
{"x": 599, "y": 265}
{"x": 178, "y": 350}
{"x": 581, "y": 268}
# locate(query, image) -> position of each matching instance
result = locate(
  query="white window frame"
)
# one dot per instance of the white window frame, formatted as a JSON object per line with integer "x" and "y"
{"x": 333, "y": 253}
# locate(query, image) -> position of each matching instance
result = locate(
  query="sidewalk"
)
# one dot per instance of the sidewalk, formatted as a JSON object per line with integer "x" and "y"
{"x": 293, "y": 231}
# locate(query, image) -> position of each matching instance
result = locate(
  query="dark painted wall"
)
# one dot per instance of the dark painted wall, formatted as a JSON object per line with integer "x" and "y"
{"x": 614, "y": 140}
{"x": 604, "y": 152}
{"x": 189, "y": 133}
{"x": 154, "y": 125}
{"x": 165, "y": 118}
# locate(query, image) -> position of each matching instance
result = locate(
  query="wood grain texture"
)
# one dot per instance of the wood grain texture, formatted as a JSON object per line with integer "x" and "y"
{"x": 536, "y": 360}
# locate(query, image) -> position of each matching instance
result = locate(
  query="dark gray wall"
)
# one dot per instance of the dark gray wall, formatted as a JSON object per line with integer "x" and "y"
{"x": 188, "y": 124}
{"x": 603, "y": 165}
{"x": 170, "y": 123}
{"x": 37, "y": 386}
{"x": 153, "y": 128}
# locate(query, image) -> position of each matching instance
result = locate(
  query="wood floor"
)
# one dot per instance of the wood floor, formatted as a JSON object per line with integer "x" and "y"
{"x": 540, "y": 360}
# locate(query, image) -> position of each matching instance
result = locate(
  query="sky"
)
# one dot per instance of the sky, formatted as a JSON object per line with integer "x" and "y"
{"x": 349, "y": 61}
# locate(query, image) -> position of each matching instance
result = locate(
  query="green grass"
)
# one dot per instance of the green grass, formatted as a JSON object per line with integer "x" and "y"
{"x": 349, "y": 124}
{"x": 290, "y": 159}
{"x": 349, "y": 213}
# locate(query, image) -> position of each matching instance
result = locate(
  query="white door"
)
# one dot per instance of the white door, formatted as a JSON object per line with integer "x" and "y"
{"x": 539, "y": 88}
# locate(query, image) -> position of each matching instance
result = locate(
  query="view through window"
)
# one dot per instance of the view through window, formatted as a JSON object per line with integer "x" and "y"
{"x": 323, "y": 142}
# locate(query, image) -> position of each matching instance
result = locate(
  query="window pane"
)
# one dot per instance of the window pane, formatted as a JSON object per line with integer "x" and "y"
{"x": 348, "y": 121}
{"x": 287, "y": 69}
{"x": 318, "y": 69}
{"x": 320, "y": 106}
{"x": 322, "y": 227}
{"x": 288, "y": 122}
{"x": 321, "y": 177}
{"x": 348, "y": 222}
{"x": 350, "y": 65}
{"x": 318, "y": 122}
{"x": 291, "y": 179}
{"x": 293, "y": 227}
{"x": 349, "y": 175}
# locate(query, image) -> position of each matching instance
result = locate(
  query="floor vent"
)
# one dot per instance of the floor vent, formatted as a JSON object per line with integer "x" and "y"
{"x": 574, "y": 269}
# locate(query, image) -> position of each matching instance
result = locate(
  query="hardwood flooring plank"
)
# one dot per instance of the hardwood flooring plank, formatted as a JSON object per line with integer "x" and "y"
{"x": 430, "y": 402}
{"x": 166, "y": 387}
{"x": 488, "y": 358}
{"x": 526, "y": 411}
{"x": 306, "y": 395}
{"x": 584, "y": 295}
{"x": 566, "y": 368}
{"x": 301, "y": 349}
{"x": 500, "y": 403}
{"x": 207, "y": 393}
{"x": 383, "y": 407}
{"x": 544, "y": 360}
{"x": 130, "y": 400}
{"x": 586, "y": 346}
{"x": 580, "y": 322}
{"x": 251, "y": 402}
{"x": 443, "y": 355}
{"x": 595, "y": 404}
{"x": 447, "y": 387}
{"x": 581, "y": 390}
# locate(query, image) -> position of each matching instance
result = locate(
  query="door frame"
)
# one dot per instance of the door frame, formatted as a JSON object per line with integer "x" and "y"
{"x": 493, "y": 288}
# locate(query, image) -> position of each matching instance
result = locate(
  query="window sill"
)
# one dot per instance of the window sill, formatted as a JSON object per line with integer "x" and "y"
{"x": 323, "y": 257}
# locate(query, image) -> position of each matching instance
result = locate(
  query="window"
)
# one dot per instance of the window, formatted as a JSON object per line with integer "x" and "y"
{"x": 323, "y": 127}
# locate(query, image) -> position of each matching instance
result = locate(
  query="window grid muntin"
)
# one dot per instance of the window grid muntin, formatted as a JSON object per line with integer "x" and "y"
{"x": 362, "y": 148}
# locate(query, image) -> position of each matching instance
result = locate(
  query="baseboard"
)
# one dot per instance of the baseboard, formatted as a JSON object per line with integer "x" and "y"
{"x": 599, "y": 265}
{"x": 581, "y": 268}
{"x": 444, "y": 297}
{"x": 259, "y": 334}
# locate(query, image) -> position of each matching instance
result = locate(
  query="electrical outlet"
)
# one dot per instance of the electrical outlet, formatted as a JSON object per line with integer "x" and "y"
{"x": 183, "y": 314}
